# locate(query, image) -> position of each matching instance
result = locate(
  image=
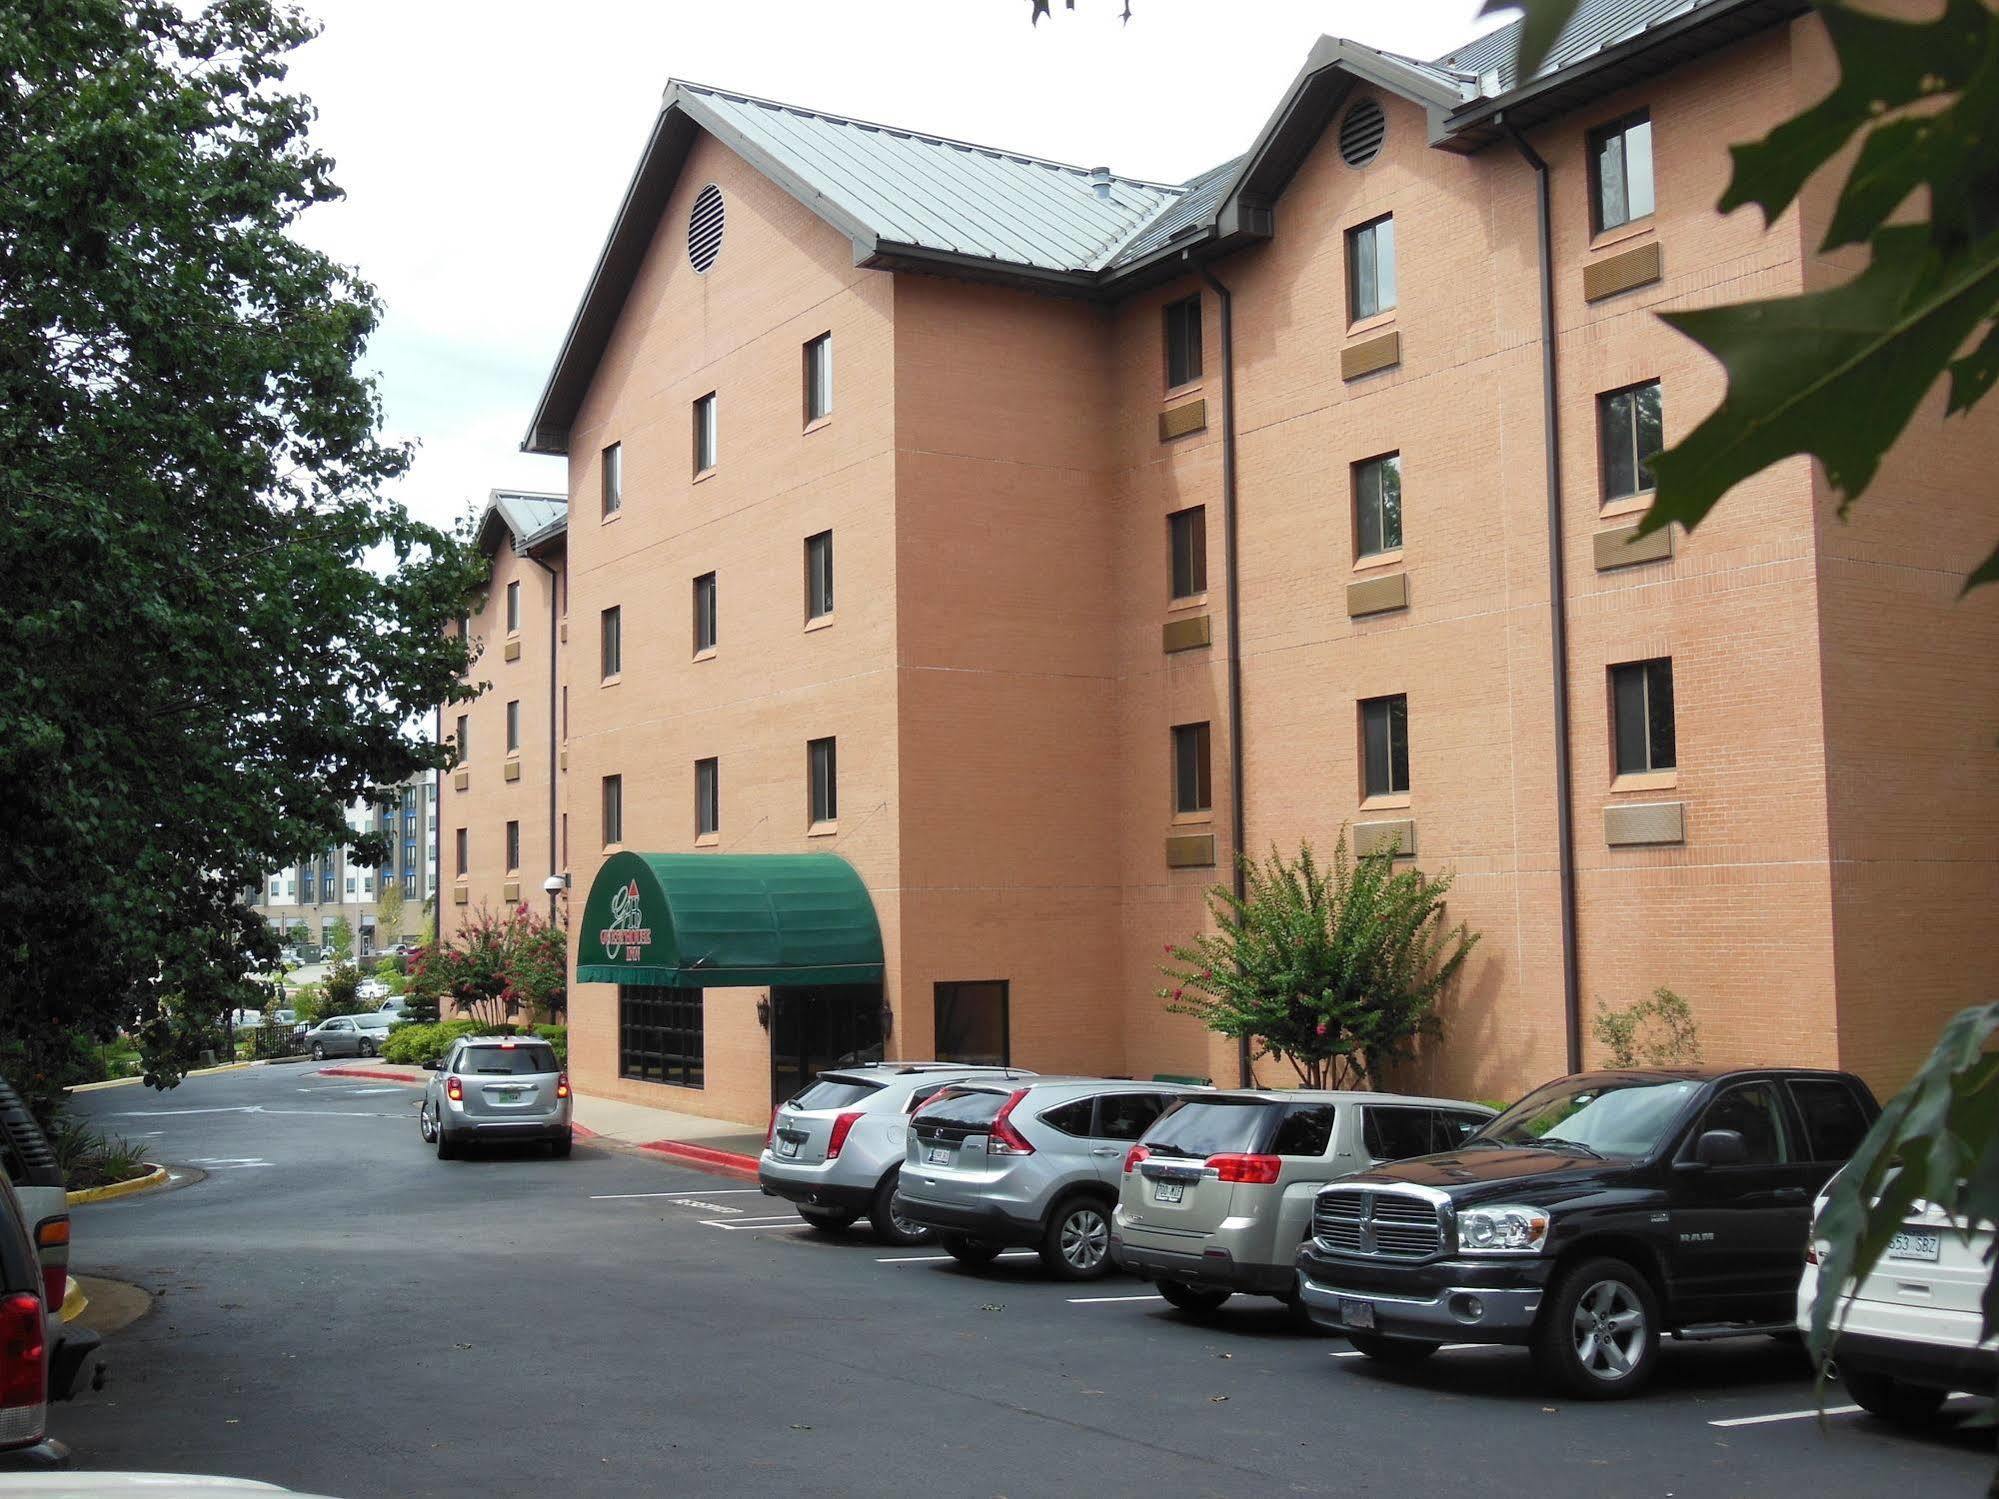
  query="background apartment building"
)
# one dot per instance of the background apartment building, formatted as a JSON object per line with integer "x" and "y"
{"x": 308, "y": 897}
{"x": 1034, "y": 539}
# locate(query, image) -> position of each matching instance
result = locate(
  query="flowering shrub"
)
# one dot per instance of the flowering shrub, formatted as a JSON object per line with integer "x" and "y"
{"x": 497, "y": 969}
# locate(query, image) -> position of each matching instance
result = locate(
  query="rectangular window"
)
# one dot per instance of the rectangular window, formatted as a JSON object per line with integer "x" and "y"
{"x": 660, "y": 1036}
{"x": 1371, "y": 268}
{"x": 1377, "y": 505}
{"x": 464, "y": 850}
{"x": 704, "y": 613}
{"x": 565, "y": 840}
{"x": 823, "y": 765}
{"x": 513, "y": 847}
{"x": 1620, "y": 170}
{"x": 704, "y": 433}
{"x": 972, "y": 1023}
{"x": 1183, "y": 341}
{"x": 611, "y": 638}
{"x": 612, "y": 472}
{"x": 513, "y": 607}
{"x": 1384, "y": 735}
{"x": 707, "y": 797}
{"x": 1187, "y": 543}
{"x": 409, "y": 882}
{"x": 351, "y": 882}
{"x": 1630, "y": 431}
{"x": 819, "y": 378}
{"x": 1641, "y": 709}
{"x": 819, "y": 575}
{"x": 614, "y": 810}
{"x": 513, "y": 734}
{"x": 1191, "y": 790}
{"x": 464, "y": 738}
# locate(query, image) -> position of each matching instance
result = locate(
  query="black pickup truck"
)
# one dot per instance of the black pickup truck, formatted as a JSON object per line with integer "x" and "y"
{"x": 1599, "y": 1212}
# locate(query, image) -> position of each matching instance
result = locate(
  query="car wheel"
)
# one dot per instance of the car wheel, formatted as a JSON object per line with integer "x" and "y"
{"x": 890, "y": 1226}
{"x": 1598, "y": 1333}
{"x": 828, "y": 1220}
{"x": 423, "y": 1125}
{"x": 318, "y": 1051}
{"x": 447, "y": 1148}
{"x": 1892, "y": 1399}
{"x": 976, "y": 1253}
{"x": 561, "y": 1145}
{"x": 367, "y": 1048}
{"x": 1077, "y": 1242}
{"x": 1195, "y": 1301}
{"x": 1401, "y": 1352}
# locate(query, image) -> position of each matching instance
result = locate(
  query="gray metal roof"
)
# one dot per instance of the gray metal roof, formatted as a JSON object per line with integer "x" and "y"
{"x": 528, "y": 517}
{"x": 1595, "y": 25}
{"x": 1197, "y": 200}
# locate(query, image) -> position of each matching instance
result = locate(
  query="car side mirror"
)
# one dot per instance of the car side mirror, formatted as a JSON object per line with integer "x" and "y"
{"x": 1721, "y": 1147}
{"x": 435, "y": 1064}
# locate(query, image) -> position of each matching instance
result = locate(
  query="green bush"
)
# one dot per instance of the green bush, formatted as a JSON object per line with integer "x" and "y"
{"x": 414, "y": 1045}
{"x": 558, "y": 1037}
{"x": 337, "y": 996}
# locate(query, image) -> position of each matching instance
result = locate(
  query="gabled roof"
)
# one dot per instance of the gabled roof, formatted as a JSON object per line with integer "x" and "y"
{"x": 525, "y": 518}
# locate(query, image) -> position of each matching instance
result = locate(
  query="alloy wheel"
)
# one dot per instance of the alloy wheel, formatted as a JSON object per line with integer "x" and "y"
{"x": 1609, "y": 1330}
{"x": 1086, "y": 1238}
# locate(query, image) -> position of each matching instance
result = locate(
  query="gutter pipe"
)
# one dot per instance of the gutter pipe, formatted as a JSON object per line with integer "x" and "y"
{"x": 554, "y": 640}
{"x": 1565, "y": 833}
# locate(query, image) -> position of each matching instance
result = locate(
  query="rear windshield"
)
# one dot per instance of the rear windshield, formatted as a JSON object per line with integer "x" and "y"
{"x": 1197, "y": 1128}
{"x": 973, "y": 1106}
{"x": 833, "y": 1093}
{"x": 508, "y": 1061}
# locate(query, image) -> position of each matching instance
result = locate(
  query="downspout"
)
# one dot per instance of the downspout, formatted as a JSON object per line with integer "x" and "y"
{"x": 1558, "y": 611}
{"x": 554, "y": 636}
{"x": 1234, "y": 641}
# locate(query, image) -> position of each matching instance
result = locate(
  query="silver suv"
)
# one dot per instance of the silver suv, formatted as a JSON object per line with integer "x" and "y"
{"x": 835, "y": 1147}
{"x": 1217, "y": 1196}
{"x": 492, "y": 1088}
{"x": 991, "y": 1164}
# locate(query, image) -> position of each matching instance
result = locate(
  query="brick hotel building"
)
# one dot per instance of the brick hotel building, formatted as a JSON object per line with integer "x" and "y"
{"x": 965, "y": 555}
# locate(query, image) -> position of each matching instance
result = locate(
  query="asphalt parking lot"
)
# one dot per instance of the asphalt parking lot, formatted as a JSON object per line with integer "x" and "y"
{"x": 337, "y": 1311}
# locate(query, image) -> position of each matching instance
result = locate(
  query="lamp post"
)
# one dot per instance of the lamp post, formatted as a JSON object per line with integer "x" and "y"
{"x": 555, "y": 884}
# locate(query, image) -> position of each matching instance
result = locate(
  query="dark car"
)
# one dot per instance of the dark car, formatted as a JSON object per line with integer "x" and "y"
{"x": 1596, "y": 1214}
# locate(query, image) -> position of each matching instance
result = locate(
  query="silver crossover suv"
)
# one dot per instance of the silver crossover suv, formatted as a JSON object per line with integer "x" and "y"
{"x": 995, "y": 1163}
{"x": 835, "y": 1147}
{"x": 492, "y": 1088}
{"x": 1217, "y": 1196}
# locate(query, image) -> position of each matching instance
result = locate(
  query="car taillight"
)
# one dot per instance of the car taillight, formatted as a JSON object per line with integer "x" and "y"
{"x": 770, "y": 1135}
{"x": 24, "y": 1377}
{"x": 842, "y": 1127}
{"x": 1006, "y": 1140}
{"x": 454, "y": 1089}
{"x": 1256, "y": 1170}
{"x": 53, "y": 1234}
{"x": 562, "y": 1085}
{"x": 1133, "y": 1156}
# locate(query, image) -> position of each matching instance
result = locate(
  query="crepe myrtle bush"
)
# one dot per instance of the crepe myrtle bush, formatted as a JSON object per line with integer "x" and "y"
{"x": 497, "y": 969}
{"x": 1335, "y": 971}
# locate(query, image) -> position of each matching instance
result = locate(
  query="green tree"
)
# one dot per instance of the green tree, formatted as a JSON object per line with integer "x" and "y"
{"x": 340, "y": 937}
{"x": 389, "y": 912}
{"x": 1337, "y": 972}
{"x": 199, "y": 672}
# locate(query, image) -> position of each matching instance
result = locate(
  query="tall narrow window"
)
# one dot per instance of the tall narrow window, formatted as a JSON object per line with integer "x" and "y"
{"x": 704, "y": 433}
{"x": 1191, "y": 788}
{"x": 819, "y": 378}
{"x": 1641, "y": 711}
{"x": 1183, "y": 341}
{"x": 819, "y": 575}
{"x": 513, "y": 607}
{"x": 1371, "y": 268}
{"x": 704, "y": 613}
{"x": 1187, "y": 543}
{"x": 1377, "y": 505}
{"x": 612, "y": 636}
{"x": 1630, "y": 431}
{"x": 514, "y": 727}
{"x": 611, "y": 473}
{"x": 823, "y": 765}
{"x": 464, "y": 850}
{"x": 1384, "y": 737}
{"x": 1620, "y": 168}
{"x": 464, "y": 738}
{"x": 707, "y": 797}
{"x": 513, "y": 847}
{"x": 614, "y": 810}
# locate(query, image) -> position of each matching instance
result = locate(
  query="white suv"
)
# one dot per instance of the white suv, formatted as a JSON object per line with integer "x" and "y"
{"x": 835, "y": 1147}
{"x": 1910, "y": 1333}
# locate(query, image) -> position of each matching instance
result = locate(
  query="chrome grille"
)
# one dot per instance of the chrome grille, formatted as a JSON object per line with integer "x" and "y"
{"x": 1385, "y": 1225}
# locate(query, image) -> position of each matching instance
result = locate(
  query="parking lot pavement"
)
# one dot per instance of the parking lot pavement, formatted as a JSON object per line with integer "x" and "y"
{"x": 339, "y": 1311}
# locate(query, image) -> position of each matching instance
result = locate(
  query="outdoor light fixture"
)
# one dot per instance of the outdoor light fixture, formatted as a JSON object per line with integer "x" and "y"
{"x": 763, "y": 1011}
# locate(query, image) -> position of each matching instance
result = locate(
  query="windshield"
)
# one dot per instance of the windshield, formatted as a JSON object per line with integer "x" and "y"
{"x": 1199, "y": 1128}
{"x": 372, "y": 1022}
{"x": 1624, "y": 1118}
{"x": 524, "y": 1060}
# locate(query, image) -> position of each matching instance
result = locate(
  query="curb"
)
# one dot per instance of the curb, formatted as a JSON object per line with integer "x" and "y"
{"x": 157, "y": 1177}
{"x": 126, "y": 1082}
{"x": 723, "y": 1162}
{"x": 377, "y": 1073}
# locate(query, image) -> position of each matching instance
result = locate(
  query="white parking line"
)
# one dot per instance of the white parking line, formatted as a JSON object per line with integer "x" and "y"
{"x": 748, "y": 1226}
{"x": 1830, "y": 1410}
{"x": 673, "y": 1196}
{"x": 943, "y": 1259}
{"x": 1100, "y": 1300}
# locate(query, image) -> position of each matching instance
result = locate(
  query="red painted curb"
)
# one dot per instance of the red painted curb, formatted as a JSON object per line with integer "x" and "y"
{"x": 582, "y": 1132}
{"x": 726, "y": 1162}
{"x": 379, "y": 1075}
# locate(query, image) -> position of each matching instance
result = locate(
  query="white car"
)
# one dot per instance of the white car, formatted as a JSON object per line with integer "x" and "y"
{"x": 1910, "y": 1336}
{"x": 371, "y": 990}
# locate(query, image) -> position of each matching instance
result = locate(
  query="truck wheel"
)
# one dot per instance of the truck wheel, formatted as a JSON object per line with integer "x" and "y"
{"x": 1892, "y": 1399}
{"x": 1597, "y": 1337}
{"x": 1402, "y": 1352}
{"x": 890, "y": 1226}
{"x": 1195, "y": 1301}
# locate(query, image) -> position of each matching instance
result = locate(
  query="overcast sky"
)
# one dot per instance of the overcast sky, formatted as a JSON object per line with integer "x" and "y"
{"x": 484, "y": 145}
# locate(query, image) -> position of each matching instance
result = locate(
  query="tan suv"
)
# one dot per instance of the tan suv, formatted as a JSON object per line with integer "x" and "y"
{"x": 1217, "y": 1195}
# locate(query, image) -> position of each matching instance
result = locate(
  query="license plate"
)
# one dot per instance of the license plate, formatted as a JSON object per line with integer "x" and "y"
{"x": 510, "y": 1095}
{"x": 787, "y": 1149}
{"x": 1916, "y": 1244}
{"x": 939, "y": 1155}
{"x": 1356, "y": 1313}
{"x": 1168, "y": 1191}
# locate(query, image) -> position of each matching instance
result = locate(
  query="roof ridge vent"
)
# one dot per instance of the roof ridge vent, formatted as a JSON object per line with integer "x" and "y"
{"x": 1100, "y": 183}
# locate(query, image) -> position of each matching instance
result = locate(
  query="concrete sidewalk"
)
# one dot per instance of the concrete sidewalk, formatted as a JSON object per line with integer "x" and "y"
{"x": 716, "y": 1143}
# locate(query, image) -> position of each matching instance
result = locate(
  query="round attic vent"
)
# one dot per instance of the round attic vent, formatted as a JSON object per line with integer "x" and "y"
{"x": 1361, "y": 132}
{"x": 704, "y": 228}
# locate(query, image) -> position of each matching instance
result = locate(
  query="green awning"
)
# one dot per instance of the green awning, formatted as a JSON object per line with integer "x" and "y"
{"x": 716, "y": 921}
